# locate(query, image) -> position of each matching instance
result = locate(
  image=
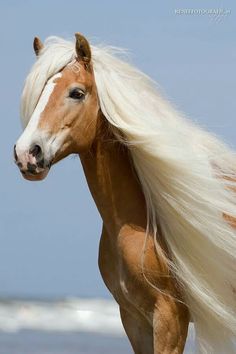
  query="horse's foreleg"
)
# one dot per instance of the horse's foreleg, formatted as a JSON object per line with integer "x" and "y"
{"x": 170, "y": 327}
{"x": 139, "y": 332}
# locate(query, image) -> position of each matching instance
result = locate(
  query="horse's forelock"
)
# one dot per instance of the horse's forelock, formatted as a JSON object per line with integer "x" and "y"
{"x": 55, "y": 54}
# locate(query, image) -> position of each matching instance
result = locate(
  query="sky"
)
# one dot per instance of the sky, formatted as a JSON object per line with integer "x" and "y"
{"x": 50, "y": 230}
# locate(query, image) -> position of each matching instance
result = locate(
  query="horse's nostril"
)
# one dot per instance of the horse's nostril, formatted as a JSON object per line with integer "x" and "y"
{"x": 15, "y": 154}
{"x": 36, "y": 151}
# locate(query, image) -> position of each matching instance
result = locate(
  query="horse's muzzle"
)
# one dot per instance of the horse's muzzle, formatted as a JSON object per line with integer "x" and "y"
{"x": 32, "y": 163}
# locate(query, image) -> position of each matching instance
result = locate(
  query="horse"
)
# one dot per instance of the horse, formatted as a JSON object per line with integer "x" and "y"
{"x": 164, "y": 187}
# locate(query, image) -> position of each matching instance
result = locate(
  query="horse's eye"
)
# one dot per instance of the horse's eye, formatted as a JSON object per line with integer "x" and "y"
{"x": 76, "y": 94}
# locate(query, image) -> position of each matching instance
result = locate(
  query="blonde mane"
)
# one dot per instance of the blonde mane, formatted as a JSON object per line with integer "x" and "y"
{"x": 187, "y": 176}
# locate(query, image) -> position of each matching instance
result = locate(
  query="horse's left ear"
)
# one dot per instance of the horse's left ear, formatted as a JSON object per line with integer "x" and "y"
{"x": 38, "y": 45}
{"x": 82, "y": 48}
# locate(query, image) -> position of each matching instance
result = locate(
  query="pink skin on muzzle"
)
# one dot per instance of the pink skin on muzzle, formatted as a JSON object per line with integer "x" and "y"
{"x": 31, "y": 163}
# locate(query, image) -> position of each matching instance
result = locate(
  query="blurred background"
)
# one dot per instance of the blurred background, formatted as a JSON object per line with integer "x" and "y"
{"x": 53, "y": 299}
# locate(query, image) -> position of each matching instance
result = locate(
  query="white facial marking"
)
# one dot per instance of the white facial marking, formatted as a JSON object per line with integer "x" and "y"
{"x": 34, "y": 120}
{"x": 31, "y": 133}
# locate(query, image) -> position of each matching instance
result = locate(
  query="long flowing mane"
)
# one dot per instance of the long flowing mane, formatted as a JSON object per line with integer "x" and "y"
{"x": 187, "y": 176}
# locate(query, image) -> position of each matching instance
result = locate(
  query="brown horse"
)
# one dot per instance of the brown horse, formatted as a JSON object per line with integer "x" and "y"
{"x": 157, "y": 274}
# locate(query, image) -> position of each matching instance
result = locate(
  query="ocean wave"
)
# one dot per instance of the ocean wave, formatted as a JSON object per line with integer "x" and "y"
{"x": 83, "y": 315}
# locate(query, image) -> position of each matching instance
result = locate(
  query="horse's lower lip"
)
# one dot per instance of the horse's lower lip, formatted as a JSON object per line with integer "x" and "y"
{"x": 37, "y": 176}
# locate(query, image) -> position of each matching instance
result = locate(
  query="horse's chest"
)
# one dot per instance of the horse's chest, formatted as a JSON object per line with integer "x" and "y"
{"x": 120, "y": 268}
{"x": 109, "y": 265}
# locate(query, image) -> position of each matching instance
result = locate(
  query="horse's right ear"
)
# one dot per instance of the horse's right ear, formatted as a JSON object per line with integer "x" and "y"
{"x": 38, "y": 45}
{"x": 82, "y": 48}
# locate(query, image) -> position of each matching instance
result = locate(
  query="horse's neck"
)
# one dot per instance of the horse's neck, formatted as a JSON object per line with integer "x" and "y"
{"x": 114, "y": 185}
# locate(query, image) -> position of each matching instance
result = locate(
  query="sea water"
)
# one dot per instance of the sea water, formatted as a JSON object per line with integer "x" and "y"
{"x": 68, "y": 326}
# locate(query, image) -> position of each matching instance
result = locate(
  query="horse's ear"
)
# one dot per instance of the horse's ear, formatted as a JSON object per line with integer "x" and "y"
{"x": 38, "y": 45}
{"x": 82, "y": 48}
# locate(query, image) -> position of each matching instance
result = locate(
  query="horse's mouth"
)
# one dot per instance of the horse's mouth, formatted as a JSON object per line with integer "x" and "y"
{"x": 35, "y": 176}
